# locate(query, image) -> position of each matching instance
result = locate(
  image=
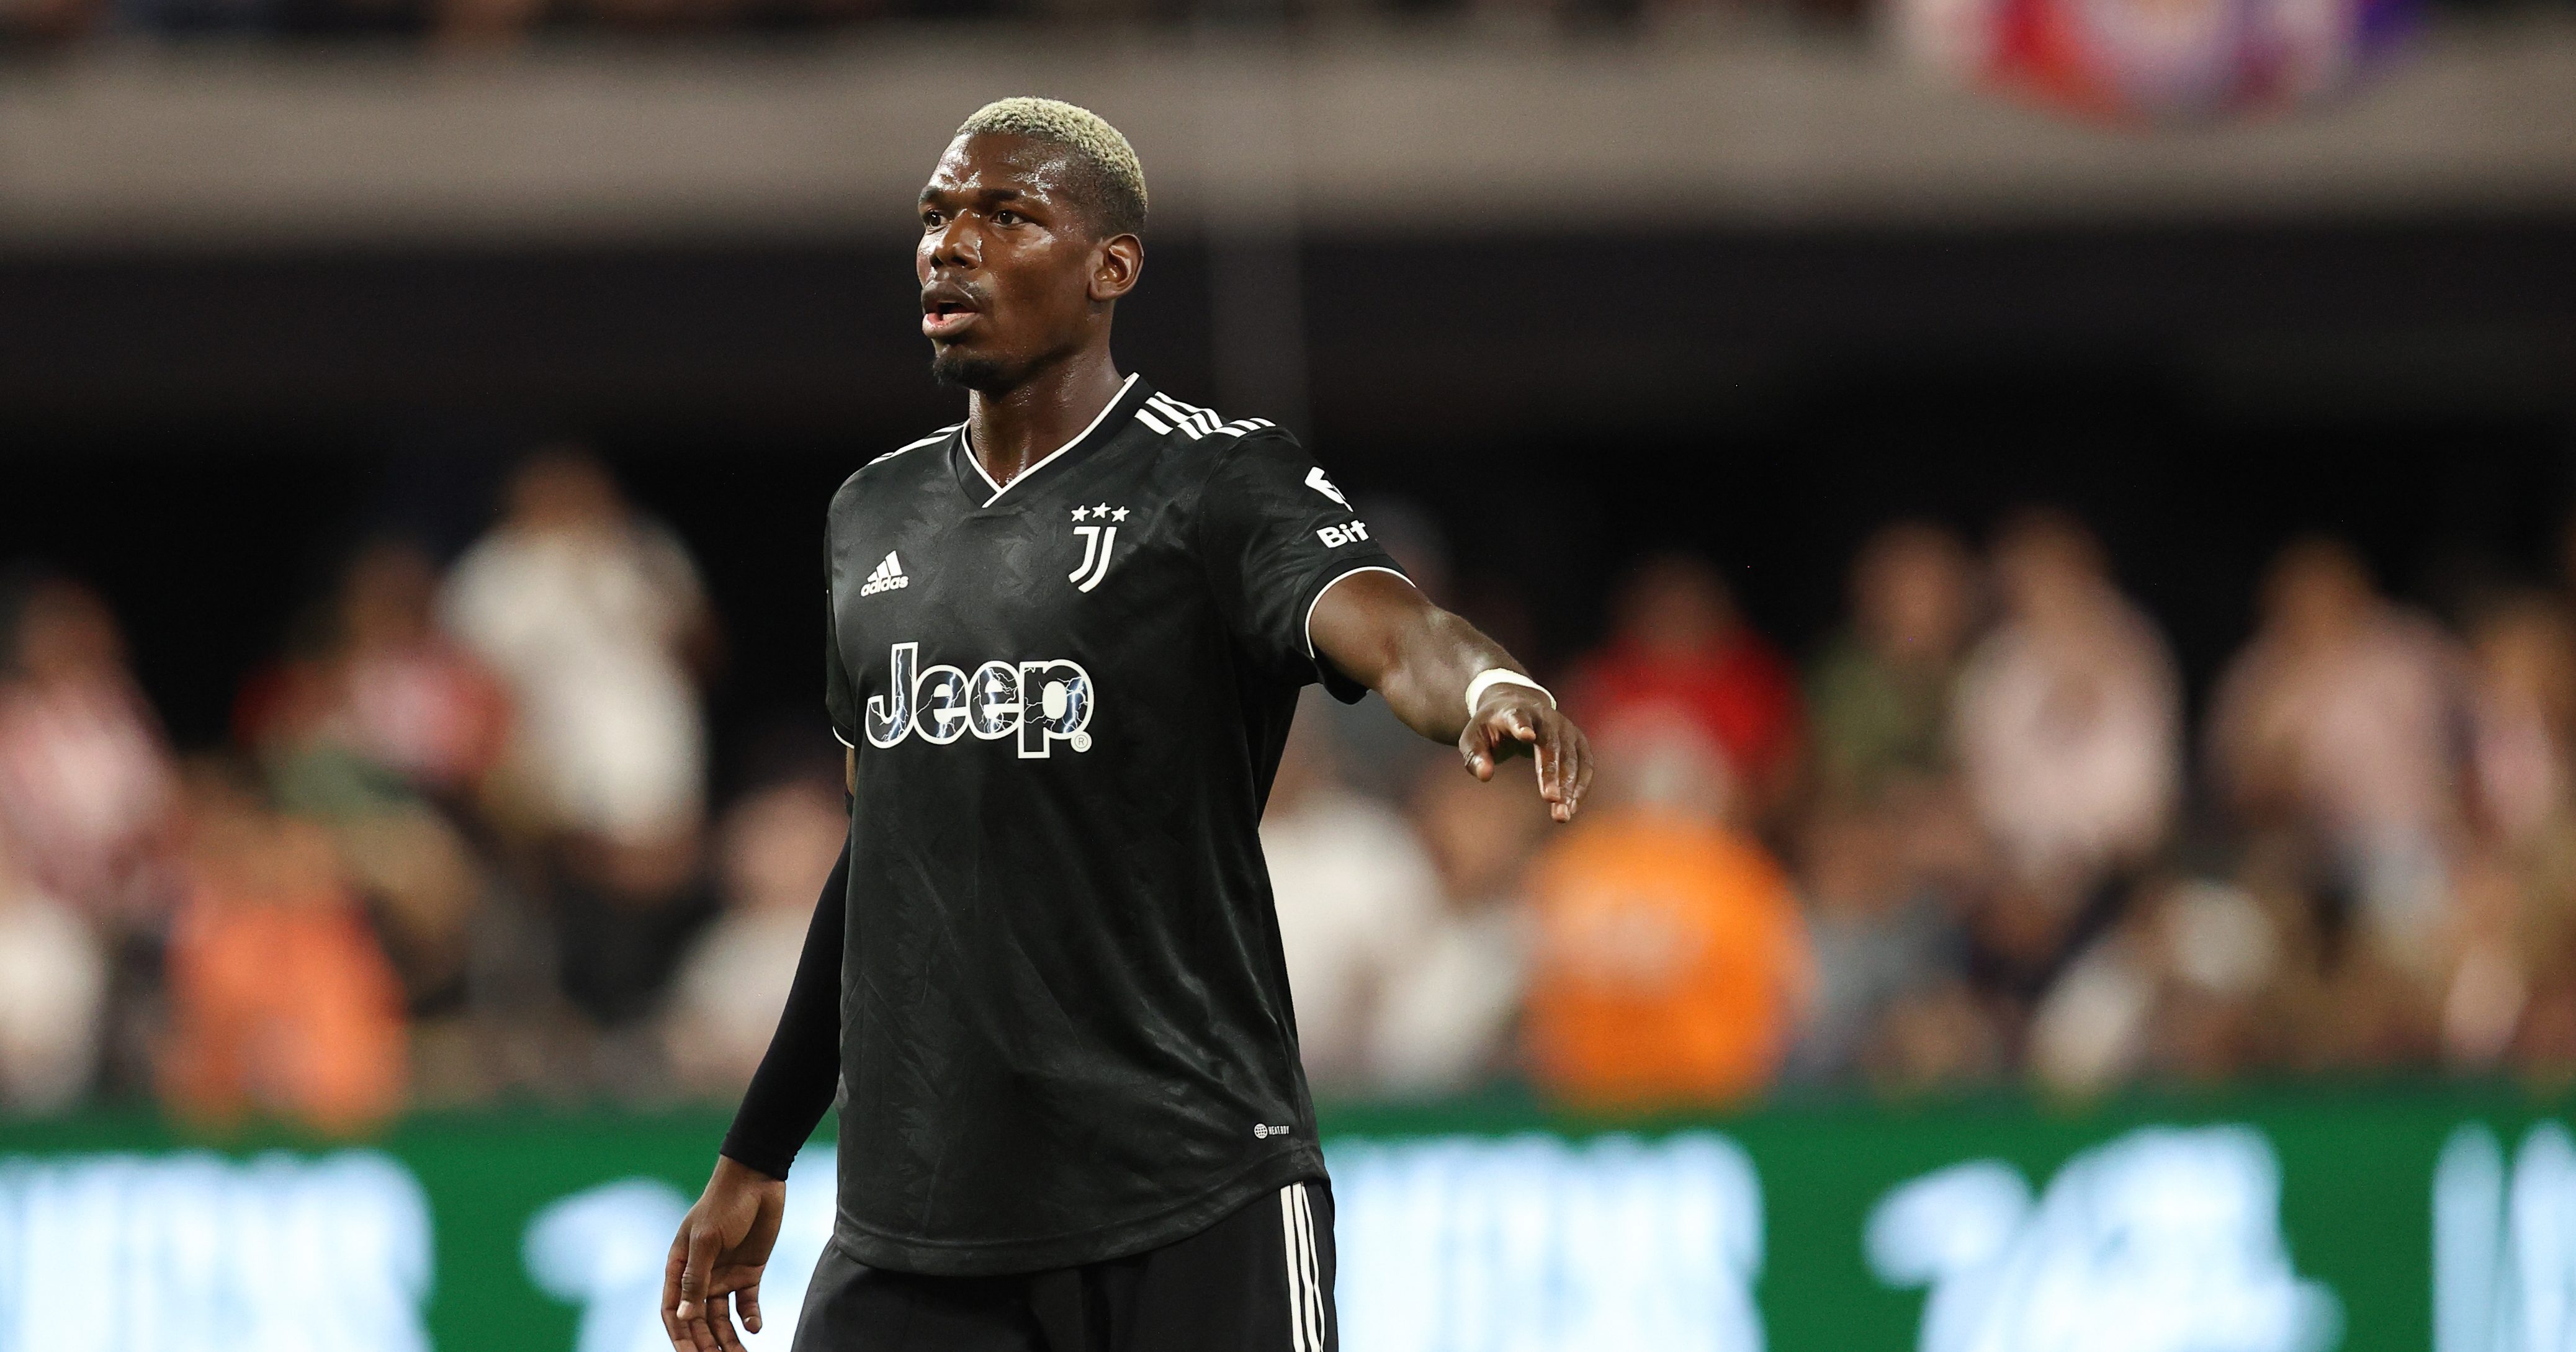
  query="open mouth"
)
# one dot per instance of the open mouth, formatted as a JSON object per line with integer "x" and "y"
{"x": 945, "y": 312}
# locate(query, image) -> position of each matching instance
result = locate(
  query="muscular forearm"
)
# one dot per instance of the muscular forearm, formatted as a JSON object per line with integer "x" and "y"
{"x": 794, "y": 1086}
{"x": 1377, "y": 630}
{"x": 1425, "y": 679}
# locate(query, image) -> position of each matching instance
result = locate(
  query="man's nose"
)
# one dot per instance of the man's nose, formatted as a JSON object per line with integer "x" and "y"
{"x": 956, "y": 245}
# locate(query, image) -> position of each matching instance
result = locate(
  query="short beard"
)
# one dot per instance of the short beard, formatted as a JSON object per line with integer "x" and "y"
{"x": 957, "y": 371}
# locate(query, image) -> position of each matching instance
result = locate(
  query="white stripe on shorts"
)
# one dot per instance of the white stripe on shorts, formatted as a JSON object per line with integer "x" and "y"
{"x": 1289, "y": 1245}
{"x": 1314, "y": 1272}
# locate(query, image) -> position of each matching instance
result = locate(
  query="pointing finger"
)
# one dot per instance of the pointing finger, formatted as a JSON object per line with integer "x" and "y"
{"x": 1577, "y": 770}
{"x": 1551, "y": 759}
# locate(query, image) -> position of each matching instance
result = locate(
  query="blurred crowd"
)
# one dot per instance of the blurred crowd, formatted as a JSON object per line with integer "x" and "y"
{"x": 1976, "y": 840}
{"x": 461, "y": 845}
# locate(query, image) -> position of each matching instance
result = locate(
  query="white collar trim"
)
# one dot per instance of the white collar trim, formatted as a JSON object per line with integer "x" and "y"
{"x": 966, "y": 440}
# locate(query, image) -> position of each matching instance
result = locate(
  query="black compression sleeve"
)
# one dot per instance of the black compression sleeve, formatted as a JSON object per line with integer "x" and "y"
{"x": 794, "y": 1086}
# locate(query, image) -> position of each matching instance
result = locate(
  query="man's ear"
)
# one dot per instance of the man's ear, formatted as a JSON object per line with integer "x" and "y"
{"x": 1116, "y": 267}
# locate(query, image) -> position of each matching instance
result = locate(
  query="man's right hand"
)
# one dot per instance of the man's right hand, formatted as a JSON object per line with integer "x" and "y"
{"x": 717, "y": 1258}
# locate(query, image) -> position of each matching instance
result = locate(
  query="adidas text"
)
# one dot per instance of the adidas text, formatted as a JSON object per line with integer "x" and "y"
{"x": 887, "y": 577}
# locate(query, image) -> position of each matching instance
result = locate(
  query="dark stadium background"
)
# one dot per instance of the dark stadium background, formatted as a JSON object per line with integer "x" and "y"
{"x": 207, "y": 436}
{"x": 1584, "y": 282}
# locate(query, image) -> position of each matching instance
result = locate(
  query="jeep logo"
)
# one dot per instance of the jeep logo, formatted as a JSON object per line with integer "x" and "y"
{"x": 1042, "y": 702}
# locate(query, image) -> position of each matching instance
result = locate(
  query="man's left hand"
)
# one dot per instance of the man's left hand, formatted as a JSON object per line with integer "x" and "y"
{"x": 1513, "y": 720}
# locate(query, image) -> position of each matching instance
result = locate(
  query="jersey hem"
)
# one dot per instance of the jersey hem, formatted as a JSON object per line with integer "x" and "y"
{"x": 1308, "y": 628}
{"x": 1311, "y": 594}
{"x": 980, "y": 1258}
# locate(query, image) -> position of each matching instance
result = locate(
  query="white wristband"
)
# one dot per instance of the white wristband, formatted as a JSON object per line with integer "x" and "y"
{"x": 1494, "y": 676}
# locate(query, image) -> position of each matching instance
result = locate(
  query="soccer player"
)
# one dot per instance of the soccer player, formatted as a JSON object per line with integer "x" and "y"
{"x": 1065, "y": 639}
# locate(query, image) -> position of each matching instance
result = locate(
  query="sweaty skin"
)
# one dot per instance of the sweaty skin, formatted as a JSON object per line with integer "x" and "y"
{"x": 1017, "y": 297}
{"x": 1018, "y": 290}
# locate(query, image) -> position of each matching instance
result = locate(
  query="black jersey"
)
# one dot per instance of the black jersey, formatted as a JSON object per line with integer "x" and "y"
{"x": 1066, "y": 1032}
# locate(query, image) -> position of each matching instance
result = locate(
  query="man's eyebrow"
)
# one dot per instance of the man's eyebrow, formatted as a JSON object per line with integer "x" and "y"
{"x": 979, "y": 194}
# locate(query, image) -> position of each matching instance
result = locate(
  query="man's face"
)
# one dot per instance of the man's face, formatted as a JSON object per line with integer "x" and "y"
{"x": 1011, "y": 276}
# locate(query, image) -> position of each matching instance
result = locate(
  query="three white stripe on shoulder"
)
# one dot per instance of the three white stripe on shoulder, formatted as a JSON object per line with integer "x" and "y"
{"x": 1305, "y": 1275}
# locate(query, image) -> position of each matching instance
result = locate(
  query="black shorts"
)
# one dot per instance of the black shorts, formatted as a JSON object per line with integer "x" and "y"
{"x": 1260, "y": 1280}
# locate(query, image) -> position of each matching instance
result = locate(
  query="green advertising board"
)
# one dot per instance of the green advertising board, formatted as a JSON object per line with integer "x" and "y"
{"x": 2286, "y": 1221}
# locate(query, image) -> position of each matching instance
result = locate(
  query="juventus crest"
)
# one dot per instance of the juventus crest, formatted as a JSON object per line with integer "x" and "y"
{"x": 1098, "y": 543}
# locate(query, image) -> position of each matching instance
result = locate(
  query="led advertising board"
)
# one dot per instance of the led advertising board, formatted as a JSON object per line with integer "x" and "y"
{"x": 2285, "y": 1223}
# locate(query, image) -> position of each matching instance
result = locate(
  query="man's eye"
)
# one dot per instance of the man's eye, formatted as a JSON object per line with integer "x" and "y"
{"x": 1006, "y": 218}
{"x": 930, "y": 220}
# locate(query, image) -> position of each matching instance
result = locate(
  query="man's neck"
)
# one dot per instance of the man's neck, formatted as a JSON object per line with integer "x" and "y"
{"x": 1013, "y": 429}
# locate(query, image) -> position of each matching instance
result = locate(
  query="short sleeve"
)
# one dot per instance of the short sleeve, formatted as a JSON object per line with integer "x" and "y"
{"x": 1276, "y": 532}
{"x": 838, "y": 700}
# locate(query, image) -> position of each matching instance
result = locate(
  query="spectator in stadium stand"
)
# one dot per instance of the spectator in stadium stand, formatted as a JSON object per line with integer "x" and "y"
{"x": 380, "y": 733}
{"x": 2516, "y": 929}
{"x": 2522, "y": 653}
{"x": 1357, "y": 900}
{"x": 408, "y": 697}
{"x": 53, "y": 996}
{"x": 774, "y": 849}
{"x": 2186, "y": 987}
{"x": 1880, "y": 694}
{"x": 2337, "y": 729}
{"x": 592, "y": 614}
{"x": 1679, "y": 648}
{"x": 593, "y": 617}
{"x": 1670, "y": 965}
{"x": 281, "y": 1003}
{"x": 86, "y": 780}
{"x": 2525, "y": 752}
{"x": 1882, "y": 840}
{"x": 2069, "y": 728}
{"x": 1445, "y": 1024}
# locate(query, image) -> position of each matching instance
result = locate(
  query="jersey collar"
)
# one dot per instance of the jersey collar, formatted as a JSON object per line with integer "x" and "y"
{"x": 979, "y": 485}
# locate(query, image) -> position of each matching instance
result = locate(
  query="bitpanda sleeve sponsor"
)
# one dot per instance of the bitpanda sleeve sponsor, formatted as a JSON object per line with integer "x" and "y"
{"x": 1277, "y": 532}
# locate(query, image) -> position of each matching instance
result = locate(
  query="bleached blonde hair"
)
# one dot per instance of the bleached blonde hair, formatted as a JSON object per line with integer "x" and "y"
{"x": 1110, "y": 179}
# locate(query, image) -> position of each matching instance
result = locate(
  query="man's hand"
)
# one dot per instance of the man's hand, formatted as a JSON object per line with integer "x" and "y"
{"x": 716, "y": 1260}
{"x": 1512, "y": 719}
{"x": 1376, "y": 629}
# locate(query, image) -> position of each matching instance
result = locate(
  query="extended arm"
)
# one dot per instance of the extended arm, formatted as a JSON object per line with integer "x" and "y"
{"x": 1377, "y": 630}
{"x": 724, "y": 1242}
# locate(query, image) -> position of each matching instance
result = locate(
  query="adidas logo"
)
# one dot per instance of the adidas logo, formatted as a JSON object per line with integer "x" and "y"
{"x": 887, "y": 577}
